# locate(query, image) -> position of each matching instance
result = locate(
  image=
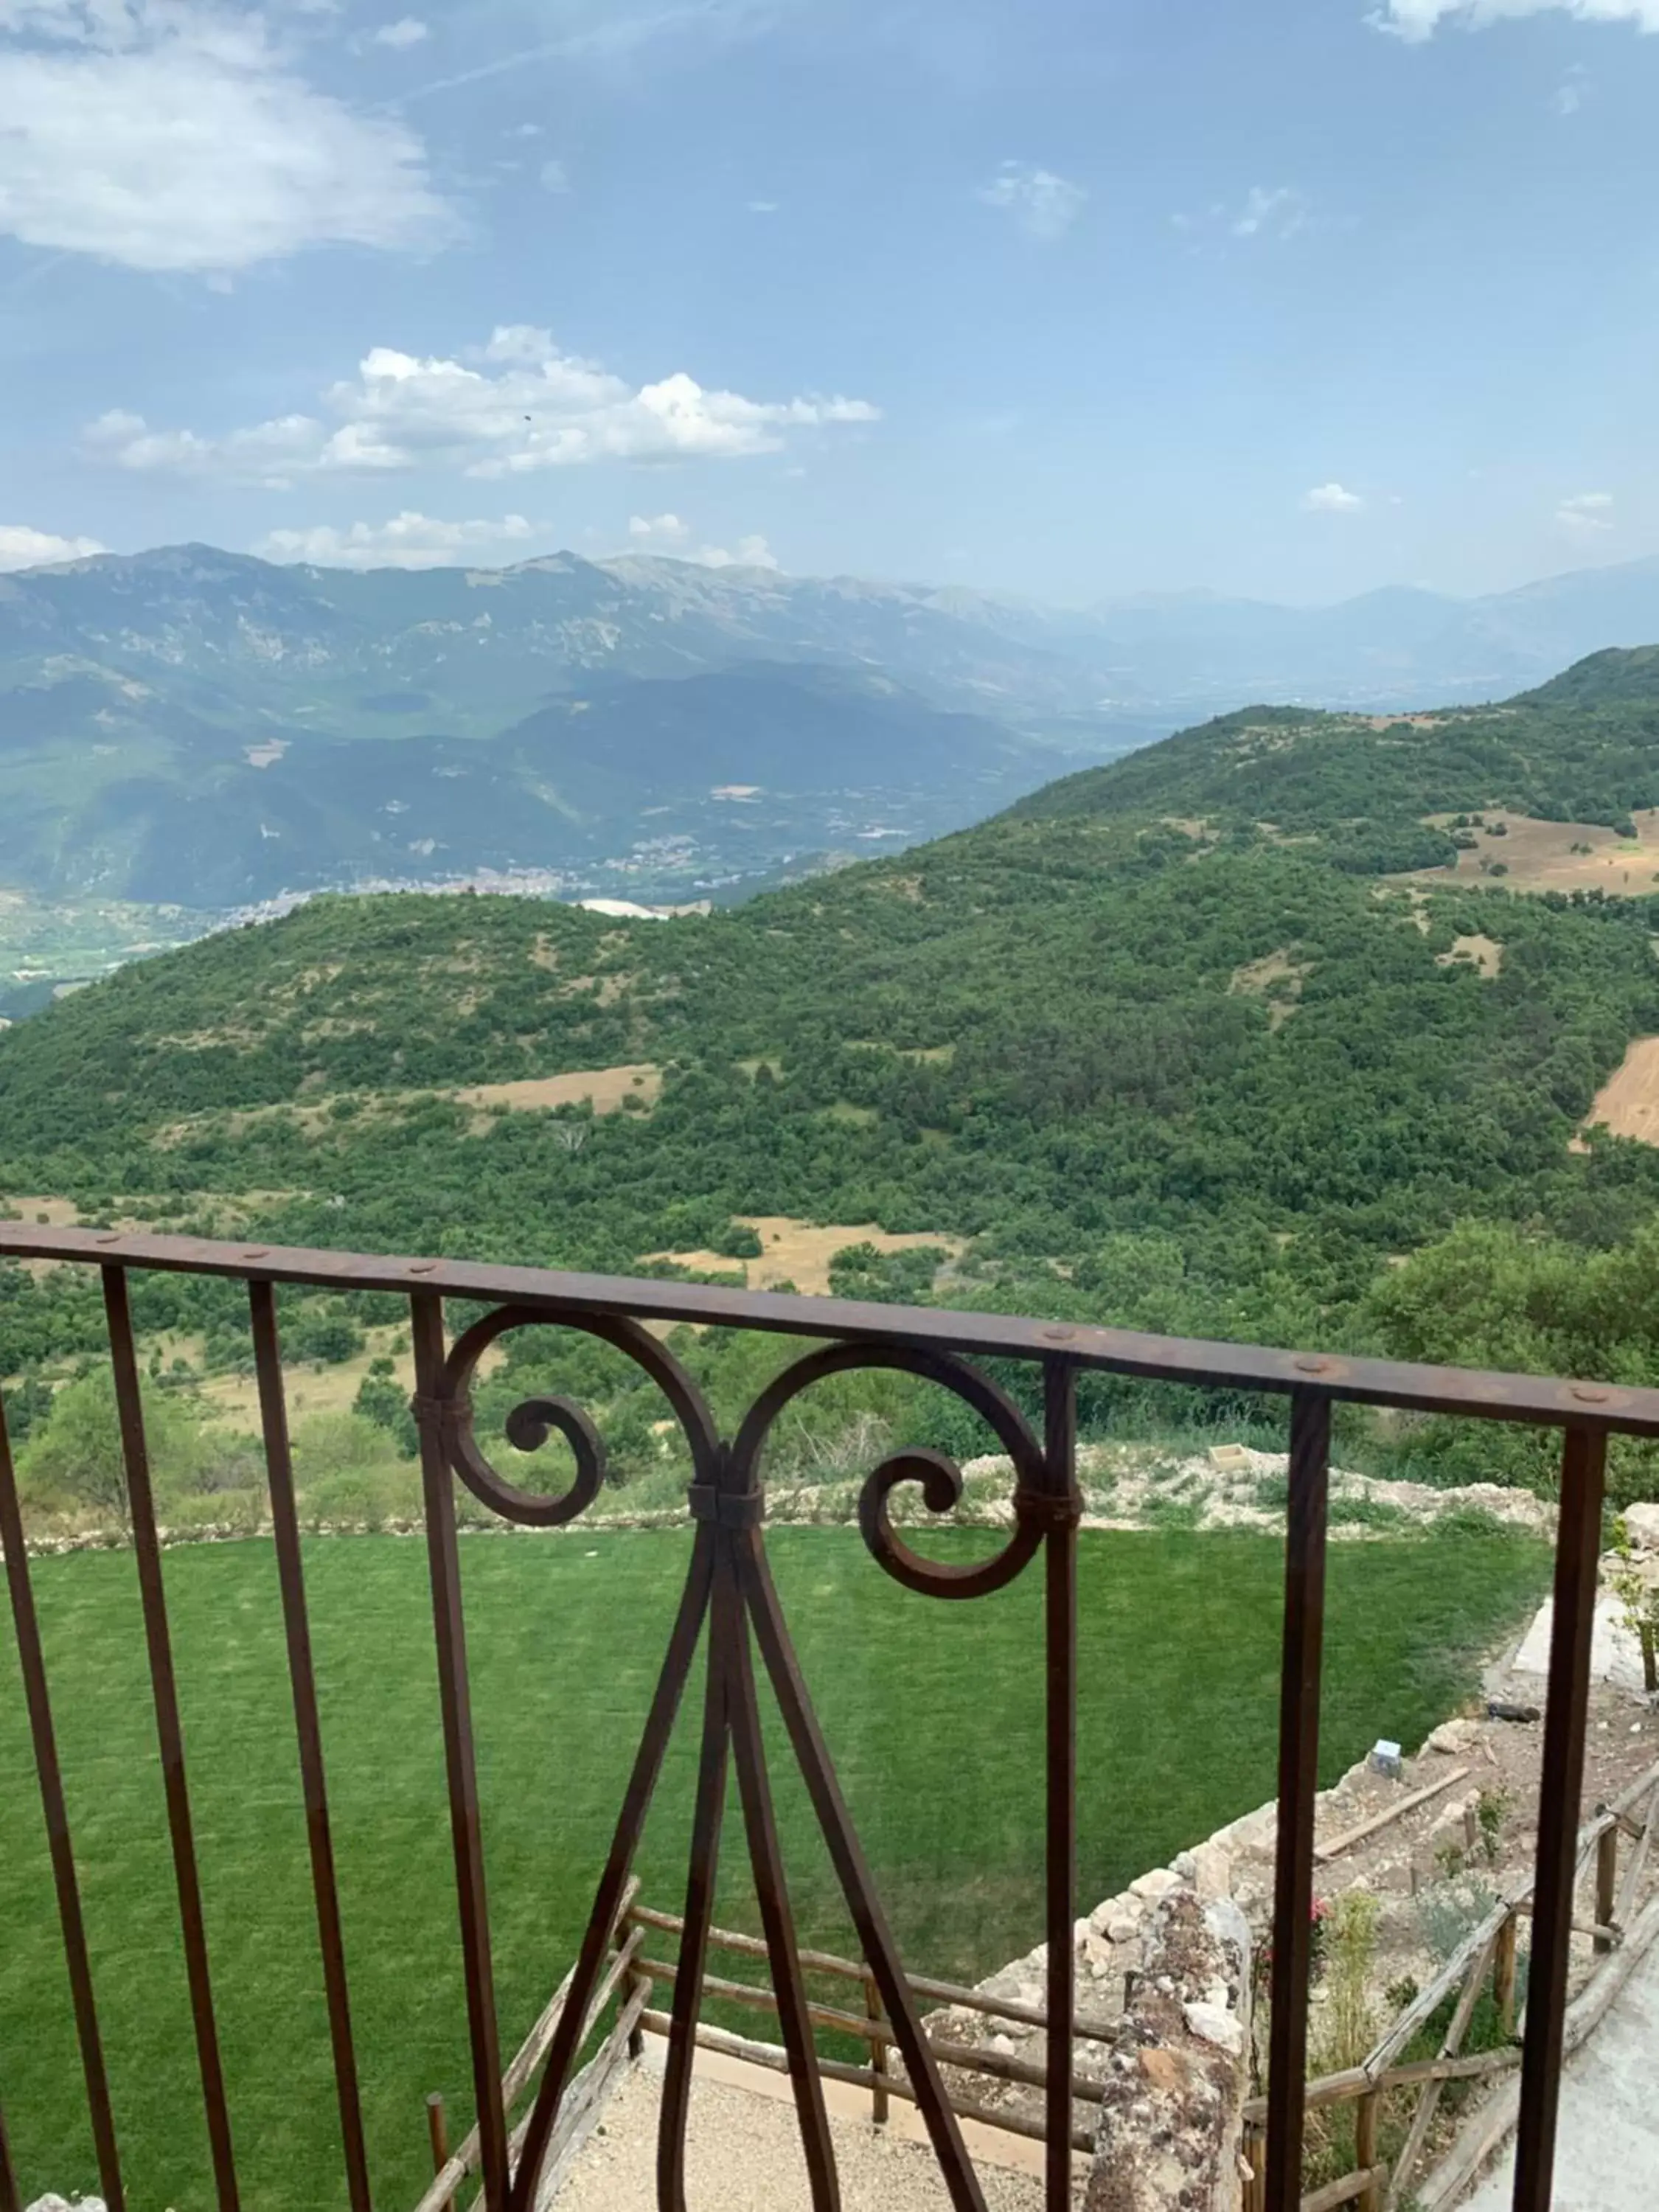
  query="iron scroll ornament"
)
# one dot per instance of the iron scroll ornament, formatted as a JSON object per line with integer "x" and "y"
{"x": 729, "y": 1588}
{"x": 531, "y": 1423}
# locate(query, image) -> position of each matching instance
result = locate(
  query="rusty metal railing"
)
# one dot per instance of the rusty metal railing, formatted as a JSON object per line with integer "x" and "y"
{"x": 730, "y": 1587}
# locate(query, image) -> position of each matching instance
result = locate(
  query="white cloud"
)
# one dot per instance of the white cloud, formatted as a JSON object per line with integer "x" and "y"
{"x": 407, "y": 541}
{"x": 555, "y": 177}
{"x": 1331, "y": 499}
{"x": 407, "y": 31}
{"x": 178, "y": 135}
{"x": 23, "y": 548}
{"x": 515, "y": 406}
{"x": 1417, "y": 19}
{"x": 1586, "y": 514}
{"x": 1273, "y": 212}
{"x": 1044, "y": 205}
{"x": 749, "y": 553}
{"x": 651, "y": 531}
{"x": 670, "y": 535}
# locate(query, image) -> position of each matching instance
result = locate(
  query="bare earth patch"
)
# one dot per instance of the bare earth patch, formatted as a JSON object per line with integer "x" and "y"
{"x": 1484, "y": 953}
{"x": 1541, "y": 856}
{"x": 1275, "y": 977}
{"x": 602, "y": 1088}
{"x": 60, "y": 1212}
{"x": 1628, "y": 1102}
{"x": 800, "y": 1252}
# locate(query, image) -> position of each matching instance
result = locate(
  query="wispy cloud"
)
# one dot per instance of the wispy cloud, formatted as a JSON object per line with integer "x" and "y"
{"x": 518, "y": 404}
{"x": 1586, "y": 514}
{"x": 1415, "y": 20}
{"x": 1265, "y": 212}
{"x": 407, "y": 31}
{"x": 1270, "y": 211}
{"x": 656, "y": 533}
{"x": 23, "y": 548}
{"x": 176, "y": 134}
{"x": 669, "y": 535}
{"x": 600, "y": 31}
{"x": 409, "y": 540}
{"x": 1043, "y": 203}
{"x": 1331, "y": 499}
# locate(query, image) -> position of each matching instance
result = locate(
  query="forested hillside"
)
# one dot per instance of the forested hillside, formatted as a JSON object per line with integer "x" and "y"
{"x": 1584, "y": 748}
{"x": 1145, "y": 1058}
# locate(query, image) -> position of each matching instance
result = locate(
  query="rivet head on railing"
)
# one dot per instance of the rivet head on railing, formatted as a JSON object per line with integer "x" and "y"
{"x": 422, "y": 1266}
{"x": 113, "y": 1236}
{"x": 1309, "y": 1366}
{"x": 257, "y": 1252}
{"x": 1587, "y": 1394}
{"x": 1061, "y": 1335}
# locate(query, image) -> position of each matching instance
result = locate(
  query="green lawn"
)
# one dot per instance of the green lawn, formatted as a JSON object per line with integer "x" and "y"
{"x": 933, "y": 1711}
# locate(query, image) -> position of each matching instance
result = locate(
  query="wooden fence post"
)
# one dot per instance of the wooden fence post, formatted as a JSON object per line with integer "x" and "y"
{"x": 1255, "y": 2152}
{"x": 1503, "y": 1976}
{"x": 437, "y": 2128}
{"x": 878, "y": 2053}
{"x": 1606, "y": 1885}
{"x": 1364, "y": 2149}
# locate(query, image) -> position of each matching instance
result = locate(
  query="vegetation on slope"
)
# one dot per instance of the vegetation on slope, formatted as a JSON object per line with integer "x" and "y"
{"x": 1584, "y": 748}
{"x": 1164, "y": 1069}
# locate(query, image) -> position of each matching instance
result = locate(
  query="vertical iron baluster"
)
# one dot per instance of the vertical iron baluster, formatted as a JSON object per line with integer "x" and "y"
{"x": 32, "y": 1662}
{"x": 766, "y": 1860}
{"x": 706, "y": 1820}
{"x": 273, "y": 1413}
{"x": 1059, "y": 1629}
{"x": 648, "y": 1765}
{"x": 449, "y": 1635}
{"x": 11, "y": 2196}
{"x": 146, "y": 1543}
{"x": 1299, "y": 1784}
{"x": 1567, "y": 1720}
{"x": 847, "y": 1854}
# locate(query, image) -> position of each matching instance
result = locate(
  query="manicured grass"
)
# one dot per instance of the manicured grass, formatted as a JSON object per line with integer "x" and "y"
{"x": 933, "y": 1713}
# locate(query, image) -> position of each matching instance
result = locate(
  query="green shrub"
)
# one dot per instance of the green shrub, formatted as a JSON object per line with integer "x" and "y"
{"x": 362, "y": 1498}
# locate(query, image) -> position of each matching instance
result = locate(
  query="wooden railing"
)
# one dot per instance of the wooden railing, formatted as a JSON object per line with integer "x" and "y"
{"x": 637, "y": 1923}
{"x": 871, "y": 2027}
{"x": 1487, "y": 1956}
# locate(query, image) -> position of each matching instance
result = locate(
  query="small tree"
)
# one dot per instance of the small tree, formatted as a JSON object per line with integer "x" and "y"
{"x": 74, "y": 1458}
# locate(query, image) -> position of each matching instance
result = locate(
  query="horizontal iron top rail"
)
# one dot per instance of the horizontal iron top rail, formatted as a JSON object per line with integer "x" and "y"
{"x": 1412, "y": 1387}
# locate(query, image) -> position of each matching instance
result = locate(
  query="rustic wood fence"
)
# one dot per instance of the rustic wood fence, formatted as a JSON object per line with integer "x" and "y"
{"x": 1487, "y": 1956}
{"x": 635, "y": 1973}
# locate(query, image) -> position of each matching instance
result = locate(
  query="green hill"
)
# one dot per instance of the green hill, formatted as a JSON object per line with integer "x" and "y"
{"x": 1584, "y": 748}
{"x": 1150, "y": 1062}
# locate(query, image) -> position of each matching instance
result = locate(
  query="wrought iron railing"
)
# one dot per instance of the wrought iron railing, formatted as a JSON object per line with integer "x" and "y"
{"x": 730, "y": 1587}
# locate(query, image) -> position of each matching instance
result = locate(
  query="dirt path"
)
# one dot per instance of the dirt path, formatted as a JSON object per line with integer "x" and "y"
{"x": 743, "y": 2151}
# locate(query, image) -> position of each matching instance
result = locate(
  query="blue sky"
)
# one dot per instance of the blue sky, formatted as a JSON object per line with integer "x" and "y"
{"x": 1069, "y": 297}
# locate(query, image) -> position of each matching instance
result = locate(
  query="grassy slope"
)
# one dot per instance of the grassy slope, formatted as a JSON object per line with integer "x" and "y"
{"x": 933, "y": 1713}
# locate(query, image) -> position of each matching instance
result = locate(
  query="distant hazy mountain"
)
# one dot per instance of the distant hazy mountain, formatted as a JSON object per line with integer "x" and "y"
{"x": 195, "y": 726}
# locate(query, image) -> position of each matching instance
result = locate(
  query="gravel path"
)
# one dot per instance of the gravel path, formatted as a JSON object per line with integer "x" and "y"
{"x": 743, "y": 2155}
